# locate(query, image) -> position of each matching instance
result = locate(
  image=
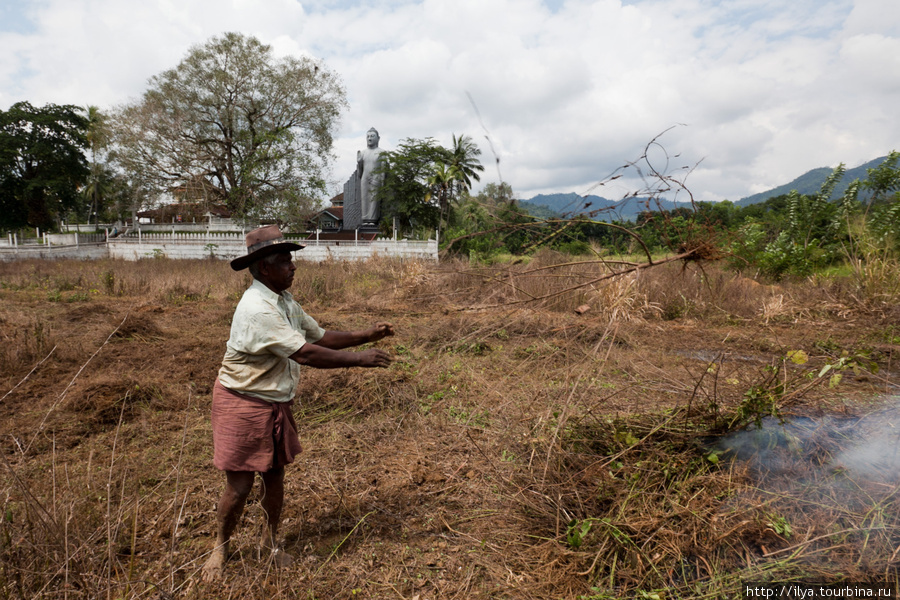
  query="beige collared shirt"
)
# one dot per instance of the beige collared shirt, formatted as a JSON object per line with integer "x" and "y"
{"x": 267, "y": 328}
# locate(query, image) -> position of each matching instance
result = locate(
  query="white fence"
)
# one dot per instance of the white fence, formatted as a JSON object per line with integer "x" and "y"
{"x": 53, "y": 239}
{"x": 231, "y": 245}
{"x": 86, "y": 227}
{"x": 73, "y": 239}
{"x": 199, "y": 227}
{"x": 216, "y": 223}
{"x": 226, "y": 246}
{"x": 80, "y": 252}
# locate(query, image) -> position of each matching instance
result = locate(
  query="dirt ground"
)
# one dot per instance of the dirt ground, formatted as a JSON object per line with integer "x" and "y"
{"x": 478, "y": 465}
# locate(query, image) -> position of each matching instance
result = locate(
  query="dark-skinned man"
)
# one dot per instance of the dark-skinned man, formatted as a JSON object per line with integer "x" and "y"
{"x": 253, "y": 426}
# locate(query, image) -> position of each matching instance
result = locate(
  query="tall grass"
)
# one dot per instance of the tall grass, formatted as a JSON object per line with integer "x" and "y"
{"x": 559, "y": 283}
{"x": 875, "y": 268}
{"x": 549, "y": 281}
{"x": 175, "y": 281}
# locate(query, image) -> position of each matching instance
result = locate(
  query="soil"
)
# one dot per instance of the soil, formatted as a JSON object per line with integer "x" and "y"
{"x": 455, "y": 473}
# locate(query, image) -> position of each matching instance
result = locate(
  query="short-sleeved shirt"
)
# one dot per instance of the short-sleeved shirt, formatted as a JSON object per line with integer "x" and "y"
{"x": 267, "y": 328}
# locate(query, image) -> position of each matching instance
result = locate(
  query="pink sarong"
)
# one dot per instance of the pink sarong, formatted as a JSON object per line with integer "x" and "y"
{"x": 250, "y": 434}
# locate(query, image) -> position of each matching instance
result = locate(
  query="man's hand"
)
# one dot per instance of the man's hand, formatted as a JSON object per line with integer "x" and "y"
{"x": 381, "y": 330}
{"x": 373, "y": 357}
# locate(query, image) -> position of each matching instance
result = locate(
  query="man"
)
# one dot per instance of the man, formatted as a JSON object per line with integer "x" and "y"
{"x": 253, "y": 427}
{"x": 368, "y": 162}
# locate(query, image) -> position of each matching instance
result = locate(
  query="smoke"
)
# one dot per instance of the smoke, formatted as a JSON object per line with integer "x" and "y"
{"x": 777, "y": 448}
{"x": 861, "y": 449}
{"x": 875, "y": 455}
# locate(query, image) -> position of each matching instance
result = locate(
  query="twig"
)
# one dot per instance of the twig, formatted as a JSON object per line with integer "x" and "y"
{"x": 619, "y": 273}
{"x": 817, "y": 538}
{"x": 338, "y": 547}
{"x": 71, "y": 383}
{"x": 32, "y": 499}
{"x": 489, "y": 459}
{"x": 177, "y": 482}
{"x": 112, "y": 461}
{"x": 618, "y": 455}
{"x": 30, "y": 373}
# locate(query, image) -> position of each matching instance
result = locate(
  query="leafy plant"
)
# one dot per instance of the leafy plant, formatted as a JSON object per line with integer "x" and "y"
{"x": 779, "y": 525}
{"x": 577, "y": 531}
{"x": 108, "y": 278}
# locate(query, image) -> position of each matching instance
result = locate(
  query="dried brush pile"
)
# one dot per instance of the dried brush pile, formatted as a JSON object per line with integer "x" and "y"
{"x": 642, "y": 504}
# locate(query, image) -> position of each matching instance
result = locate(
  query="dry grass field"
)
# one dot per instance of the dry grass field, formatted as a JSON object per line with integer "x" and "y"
{"x": 514, "y": 449}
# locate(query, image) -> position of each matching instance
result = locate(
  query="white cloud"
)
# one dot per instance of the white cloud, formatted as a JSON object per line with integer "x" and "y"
{"x": 872, "y": 61}
{"x": 873, "y": 16}
{"x": 567, "y": 93}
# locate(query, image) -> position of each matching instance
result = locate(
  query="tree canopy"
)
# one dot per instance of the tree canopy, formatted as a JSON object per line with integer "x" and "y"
{"x": 405, "y": 193}
{"x": 252, "y": 131}
{"x": 463, "y": 160}
{"x": 423, "y": 180}
{"x": 42, "y": 163}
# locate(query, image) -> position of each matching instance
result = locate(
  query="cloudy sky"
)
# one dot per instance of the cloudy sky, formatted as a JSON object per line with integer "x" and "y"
{"x": 750, "y": 93}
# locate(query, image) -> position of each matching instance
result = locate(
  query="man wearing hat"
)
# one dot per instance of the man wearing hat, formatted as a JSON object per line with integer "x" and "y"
{"x": 253, "y": 426}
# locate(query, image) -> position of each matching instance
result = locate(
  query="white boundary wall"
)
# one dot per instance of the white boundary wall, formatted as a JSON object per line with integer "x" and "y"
{"x": 218, "y": 245}
{"x": 229, "y": 246}
{"x": 80, "y": 252}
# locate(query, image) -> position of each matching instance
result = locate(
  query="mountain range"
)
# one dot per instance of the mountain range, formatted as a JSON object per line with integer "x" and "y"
{"x": 602, "y": 209}
{"x": 566, "y": 205}
{"x": 811, "y": 181}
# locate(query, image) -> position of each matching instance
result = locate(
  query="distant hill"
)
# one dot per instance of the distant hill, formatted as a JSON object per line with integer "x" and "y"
{"x": 811, "y": 182}
{"x": 571, "y": 204}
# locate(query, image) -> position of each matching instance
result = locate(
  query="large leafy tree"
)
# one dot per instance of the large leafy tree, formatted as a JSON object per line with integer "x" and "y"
{"x": 424, "y": 179}
{"x": 254, "y": 131}
{"x": 42, "y": 163}
{"x": 406, "y": 194}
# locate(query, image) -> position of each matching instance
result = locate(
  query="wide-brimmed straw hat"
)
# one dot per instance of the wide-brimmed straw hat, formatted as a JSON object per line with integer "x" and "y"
{"x": 262, "y": 242}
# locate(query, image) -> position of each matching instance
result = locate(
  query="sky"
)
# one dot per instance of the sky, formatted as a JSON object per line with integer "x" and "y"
{"x": 727, "y": 97}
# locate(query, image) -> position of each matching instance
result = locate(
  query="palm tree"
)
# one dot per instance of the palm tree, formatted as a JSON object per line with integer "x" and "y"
{"x": 463, "y": 157}
{"x": 97, "y": 136}
{"x": 440, "y": 184}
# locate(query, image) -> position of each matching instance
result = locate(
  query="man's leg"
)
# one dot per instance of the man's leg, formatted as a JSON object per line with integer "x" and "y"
{"x": 231, "y": 505}
{"x": 272, "y": 502}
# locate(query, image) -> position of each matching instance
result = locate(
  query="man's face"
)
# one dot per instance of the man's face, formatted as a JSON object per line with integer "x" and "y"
{"x": 279, "y": 275}
{"x": 372, "y": 139}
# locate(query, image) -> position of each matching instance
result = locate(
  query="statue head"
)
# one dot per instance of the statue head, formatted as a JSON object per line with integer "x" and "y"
{"x": 372, "y": 138}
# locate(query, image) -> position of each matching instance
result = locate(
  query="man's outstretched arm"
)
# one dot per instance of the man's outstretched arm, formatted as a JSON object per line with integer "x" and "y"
{"x": 337, "y": 340}
{"x": 321, "y": 357}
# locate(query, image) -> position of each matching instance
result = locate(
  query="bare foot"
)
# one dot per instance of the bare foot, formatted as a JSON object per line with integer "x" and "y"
{"x": 215, "y": 565}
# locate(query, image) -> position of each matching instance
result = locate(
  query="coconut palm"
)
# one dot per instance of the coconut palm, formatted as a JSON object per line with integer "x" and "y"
{"x": 440, "y": 184}
{"x": 463, "y": 157}
{"x": 97, "y": 137}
